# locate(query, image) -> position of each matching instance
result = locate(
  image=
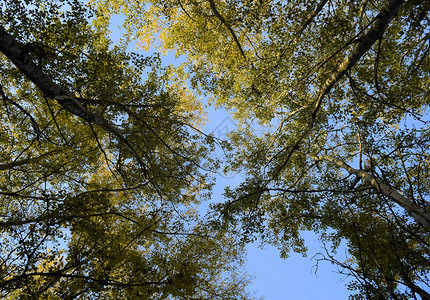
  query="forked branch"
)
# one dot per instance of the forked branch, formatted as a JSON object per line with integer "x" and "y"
{"x": 419, "y": 214}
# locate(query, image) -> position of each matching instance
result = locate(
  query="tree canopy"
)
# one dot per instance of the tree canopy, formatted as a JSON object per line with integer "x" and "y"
{"x": 102, "y": 167}
{"x": 104, "y": 161}
{"x": 340, "y": 93}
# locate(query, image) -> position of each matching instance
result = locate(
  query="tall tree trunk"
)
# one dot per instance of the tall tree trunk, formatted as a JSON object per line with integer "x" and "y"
{"x": 16, "y": 52}
{"x": 376, "y": 31}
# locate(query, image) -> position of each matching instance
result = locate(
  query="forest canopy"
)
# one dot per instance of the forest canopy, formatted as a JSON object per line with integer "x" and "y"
{"x": 104, "y": 161}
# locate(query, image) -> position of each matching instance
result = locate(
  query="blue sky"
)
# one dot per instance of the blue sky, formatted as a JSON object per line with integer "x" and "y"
{"x": 275, "y": 278}
{"x": 293, "y": 278}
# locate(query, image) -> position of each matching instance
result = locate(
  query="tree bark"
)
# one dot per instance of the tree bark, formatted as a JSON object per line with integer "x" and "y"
{"x": 18, "y": 55}
{"x": 22, "y": 162}
{"x": 376, "y": 31}
{"x": 419, "y": 214}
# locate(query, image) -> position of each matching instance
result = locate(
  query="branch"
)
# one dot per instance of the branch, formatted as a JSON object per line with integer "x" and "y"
{"x": 222, "y": 20}
{"x": 366, "y": 42}
{"x": 419, "y": 214}
{"x": 375, "y": 32}
{"x": 103, "y": 282}
{"x": 17, "y": 54}
{"x": 185, "y": 11}
{"x": 302, "y": 28}
{"x": 6, "y": 99}
{"x": 17, "y": 163}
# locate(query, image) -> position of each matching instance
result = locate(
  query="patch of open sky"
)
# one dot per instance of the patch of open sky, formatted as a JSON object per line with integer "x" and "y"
{"x": 294, "y": 278}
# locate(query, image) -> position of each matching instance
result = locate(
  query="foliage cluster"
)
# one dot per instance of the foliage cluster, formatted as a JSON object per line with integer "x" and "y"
{"x": 102, "y": 167}
{"x": 109, "y": 157}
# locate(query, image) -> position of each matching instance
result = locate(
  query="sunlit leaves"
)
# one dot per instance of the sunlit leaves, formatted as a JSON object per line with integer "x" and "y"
{"x": 103, "y": 206}
{"x": 373, "y": 117}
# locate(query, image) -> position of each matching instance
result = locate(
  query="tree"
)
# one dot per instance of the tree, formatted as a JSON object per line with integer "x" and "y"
{"x": 102, "y": 165}
{"x": 340, "y": 91}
